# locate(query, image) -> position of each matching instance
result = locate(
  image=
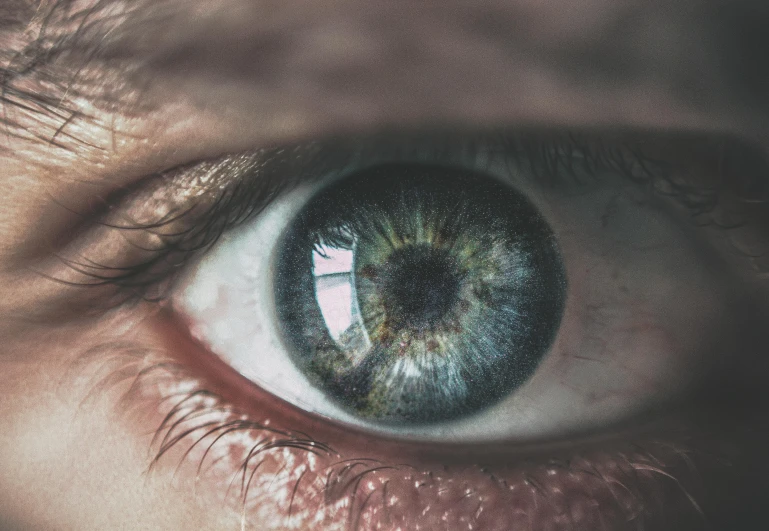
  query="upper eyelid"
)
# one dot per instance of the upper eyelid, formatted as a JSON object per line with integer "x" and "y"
{"x": 175, "y": 214}
{"x": 169, "y": 217}
{"x": 131, "y": 249}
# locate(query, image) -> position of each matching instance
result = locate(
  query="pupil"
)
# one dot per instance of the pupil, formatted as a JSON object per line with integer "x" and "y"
{"x": 420, "y": 285}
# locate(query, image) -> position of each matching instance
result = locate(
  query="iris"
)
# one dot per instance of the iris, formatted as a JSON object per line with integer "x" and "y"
{"x": 417, "y": 294}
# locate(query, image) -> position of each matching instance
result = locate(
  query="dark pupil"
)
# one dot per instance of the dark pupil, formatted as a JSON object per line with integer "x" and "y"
{"x": 418, "y": 294}
{"x": 419, "y": 286}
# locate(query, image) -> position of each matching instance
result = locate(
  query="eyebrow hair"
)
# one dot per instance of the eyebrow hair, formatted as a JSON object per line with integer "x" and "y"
{"x": 56, "y": 52}
{"x": 20, "y": 53}
{"x": 53, "y": 52}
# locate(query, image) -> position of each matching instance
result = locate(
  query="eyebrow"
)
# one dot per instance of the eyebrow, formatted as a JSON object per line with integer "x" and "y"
{"x": 57, "y": 54}
{"x": 368, "y": 64}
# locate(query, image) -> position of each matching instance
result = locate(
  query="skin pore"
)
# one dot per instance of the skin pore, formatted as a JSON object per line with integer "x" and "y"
{"x": 101, "y": 97}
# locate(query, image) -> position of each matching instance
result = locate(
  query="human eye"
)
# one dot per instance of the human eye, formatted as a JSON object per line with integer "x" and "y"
{"x": 177, "y": 177}
{"x": 459, "y": 290}
{"x": 567, "y": 355}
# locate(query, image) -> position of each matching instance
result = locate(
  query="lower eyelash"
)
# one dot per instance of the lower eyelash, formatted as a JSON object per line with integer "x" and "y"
{"x": 250, "y": 463}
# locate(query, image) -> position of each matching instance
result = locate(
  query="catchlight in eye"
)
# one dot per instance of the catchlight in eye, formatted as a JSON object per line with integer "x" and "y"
{"x": 422, "y": 295}
{"x": 417, "y": 294}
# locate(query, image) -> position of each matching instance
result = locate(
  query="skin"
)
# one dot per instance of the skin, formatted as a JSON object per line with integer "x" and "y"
{"x": 184, "y": 80}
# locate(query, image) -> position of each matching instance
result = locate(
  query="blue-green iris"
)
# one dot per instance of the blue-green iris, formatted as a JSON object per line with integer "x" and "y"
{"x": 415, "y": 294}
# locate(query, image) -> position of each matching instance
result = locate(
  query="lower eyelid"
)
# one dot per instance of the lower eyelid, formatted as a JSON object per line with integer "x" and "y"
{"x": 250, "y": 462}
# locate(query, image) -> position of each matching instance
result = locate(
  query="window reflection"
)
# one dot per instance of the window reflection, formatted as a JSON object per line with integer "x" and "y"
{"x": 334, "y": 280}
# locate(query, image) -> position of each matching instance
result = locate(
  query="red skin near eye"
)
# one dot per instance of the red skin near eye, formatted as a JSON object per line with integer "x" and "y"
{"x": 246, "y": 446}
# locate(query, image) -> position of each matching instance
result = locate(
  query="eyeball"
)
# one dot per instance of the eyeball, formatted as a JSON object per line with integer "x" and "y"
{"x": 415, "y": 294}
{"x": 460, "y": 302}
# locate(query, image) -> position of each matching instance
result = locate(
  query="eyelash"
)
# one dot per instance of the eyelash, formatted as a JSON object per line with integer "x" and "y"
{"x": 198, "y": 420}
{"x": 151, "y": 379}
{"x": 551, "y": 158}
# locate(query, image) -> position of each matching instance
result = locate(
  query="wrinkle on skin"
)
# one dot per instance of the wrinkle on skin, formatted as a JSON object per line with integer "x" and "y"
{"x": 108, "y": 92}
{"x": 135, "y": 94}
{"x": 282, "y": 480}
{"x": 280, "y": 72}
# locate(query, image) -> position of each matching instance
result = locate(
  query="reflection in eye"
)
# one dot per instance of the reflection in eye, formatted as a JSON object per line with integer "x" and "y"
{"x": 308, "y": 300}
{"x": 651, "y": 304}
{"x": 456, "y": 288}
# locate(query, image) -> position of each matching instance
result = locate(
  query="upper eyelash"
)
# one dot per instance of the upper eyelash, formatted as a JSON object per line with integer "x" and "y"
{"x": 185, "y": 425}
{"x": 552, "y": 157}
{"x": 151, "y": 278}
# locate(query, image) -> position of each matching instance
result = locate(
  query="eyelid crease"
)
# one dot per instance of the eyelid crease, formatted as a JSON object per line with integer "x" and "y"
{"x": 164, "y": 220}
{"x": 145, "y": 233}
